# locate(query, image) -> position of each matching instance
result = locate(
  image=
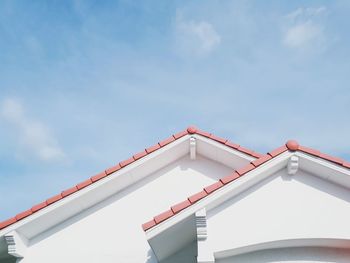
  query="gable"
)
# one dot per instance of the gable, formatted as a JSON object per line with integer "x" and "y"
{"x": 322, "y": 172}
{"x": 128, "y": 194}
{"x": 281, "y": 207}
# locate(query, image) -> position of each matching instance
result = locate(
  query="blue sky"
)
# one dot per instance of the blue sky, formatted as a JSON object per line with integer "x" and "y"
{"x": 85, "y": 84}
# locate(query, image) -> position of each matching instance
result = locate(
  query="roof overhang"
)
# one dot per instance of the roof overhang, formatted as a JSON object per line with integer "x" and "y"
{"x": 102, "y": 189}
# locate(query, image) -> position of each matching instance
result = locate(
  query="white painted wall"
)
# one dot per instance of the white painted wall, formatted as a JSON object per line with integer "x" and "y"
{"x": 290, "y": 255}
{"x": 280, "y": 208}
{"x": 111, "y": 231}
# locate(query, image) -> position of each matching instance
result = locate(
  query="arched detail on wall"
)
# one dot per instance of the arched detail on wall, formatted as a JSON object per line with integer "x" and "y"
{"x": 288, "y": 243}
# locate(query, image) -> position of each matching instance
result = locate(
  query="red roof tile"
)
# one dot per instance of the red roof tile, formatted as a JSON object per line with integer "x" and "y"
{"x": 163, "y": 216}
{"x": 148, "y": 225}
{"x": 331, "y": 158}
{"x": 261, "y": 160}
{"x": 213, "y": 187}
{"x": 153, "y": 148}
{"x": 232, "y": 145}
{"x": 198, "y": 196}
{"x": 114, "y": 168}
{"x": 38, "y": 207}
{"x": 140, "y": 155}
{"x": 84, "y": 184}
{"x": 180, "y": 206}
{"x": 229, "y": 178}
{"x": 24, "y": 214}
{"x": 126, "y": 162}
{"x": 245, "y": 169}
{"x": 245, "y": 150}
{"x": 309, "y": 150}
{"x": 54, "y": 199}
{"x": 98, "y": 176}
{"x": 166, "y": 141}
{"x": 218, "y": 139}
{"x": 278, "y": 151}
{"x": 69, "y": 191}
{"x": 203, "y": 133}
{"x": 7, "y": 222}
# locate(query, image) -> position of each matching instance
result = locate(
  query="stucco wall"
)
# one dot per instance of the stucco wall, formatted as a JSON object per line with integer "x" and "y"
{"x": 291, "y": 255}
{"x": 282, "y": 207}
{"x": 111, "y": 231}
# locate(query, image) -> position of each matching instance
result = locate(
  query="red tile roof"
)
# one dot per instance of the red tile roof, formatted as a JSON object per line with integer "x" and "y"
{"x": 108, "y": 171}
{"x": 291, "y": 145}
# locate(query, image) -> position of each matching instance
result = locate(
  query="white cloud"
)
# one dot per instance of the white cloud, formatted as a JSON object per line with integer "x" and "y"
{"x": 196, "y": 37}
{"x": 304, "y": 29}
{"x": 32, "y": 134}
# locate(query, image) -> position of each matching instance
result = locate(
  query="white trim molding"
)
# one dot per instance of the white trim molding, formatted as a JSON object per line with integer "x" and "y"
{"x": 16, "y": 244}
{"x": 205, "y": 253}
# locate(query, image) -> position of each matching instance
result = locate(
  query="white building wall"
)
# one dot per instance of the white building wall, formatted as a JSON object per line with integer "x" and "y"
{"x": 292, "y": 255}
{"x": 111, "y": 231}
{"x": 280, "y": 208}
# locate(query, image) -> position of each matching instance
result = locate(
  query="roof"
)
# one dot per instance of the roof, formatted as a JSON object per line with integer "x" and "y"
{"x": 291, "y": 145}
{"x": 190, "y": 130}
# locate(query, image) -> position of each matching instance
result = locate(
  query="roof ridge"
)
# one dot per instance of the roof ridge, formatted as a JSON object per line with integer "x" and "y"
{"x": 122, "y": 164}
{"x": 290, "y": 145}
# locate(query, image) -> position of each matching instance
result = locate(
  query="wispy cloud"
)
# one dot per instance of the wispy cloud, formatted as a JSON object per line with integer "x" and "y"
{"x": 198, "y": 37}
{"x": 32, "y": 134}
{"x": 304, "y": 30}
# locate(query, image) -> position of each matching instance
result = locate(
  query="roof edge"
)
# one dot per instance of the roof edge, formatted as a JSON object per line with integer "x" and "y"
{"x": 190, "y": 130}
{"x": 290, "y": 145}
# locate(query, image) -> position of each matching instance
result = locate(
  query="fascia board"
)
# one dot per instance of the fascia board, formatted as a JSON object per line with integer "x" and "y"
{"x": 324, "y": 169}
{"x": 224, "y": 148}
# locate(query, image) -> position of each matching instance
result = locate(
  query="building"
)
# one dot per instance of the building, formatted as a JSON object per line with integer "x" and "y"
{"x": 194, "y": 197}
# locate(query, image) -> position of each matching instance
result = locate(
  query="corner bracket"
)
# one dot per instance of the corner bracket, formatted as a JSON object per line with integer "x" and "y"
{"x": 293, "y": 165}
{"x": 16, "y": 244}
{"x": 193, "y": 148}
{"x": 205, "y": 254}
